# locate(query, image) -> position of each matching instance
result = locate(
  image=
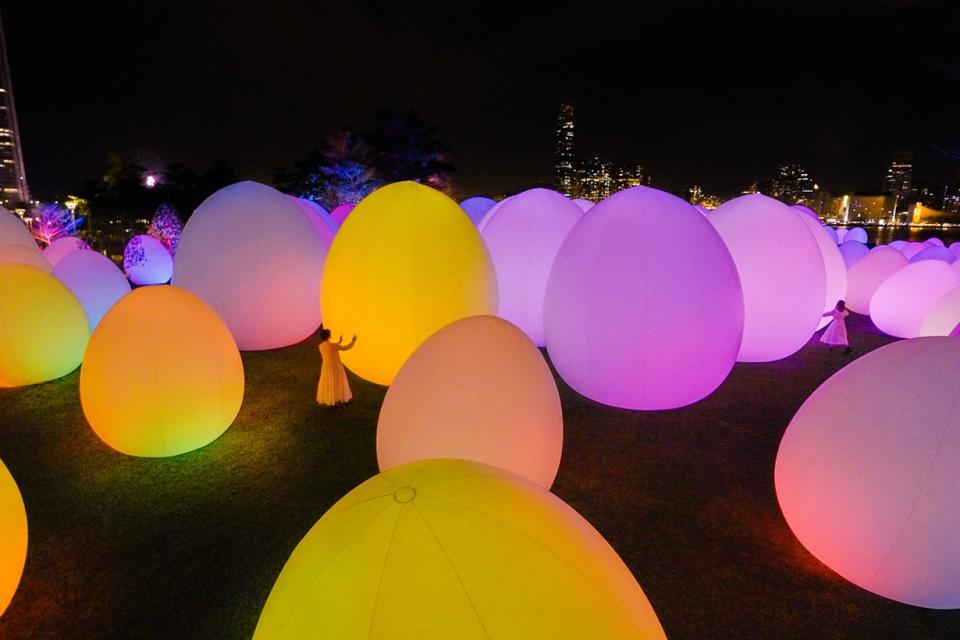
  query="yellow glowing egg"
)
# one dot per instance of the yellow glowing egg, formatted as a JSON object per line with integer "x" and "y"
{"x": 404, "y": 264}
{"x": 13, "y": 537}
{"x": 162, "y": 375}
{"x": 478, "y": 389}
{"x": 43, "y": 328}
{"x": 454, "y": 549}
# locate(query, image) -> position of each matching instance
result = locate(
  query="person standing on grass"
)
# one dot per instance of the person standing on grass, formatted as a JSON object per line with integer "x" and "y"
{"x": 836, "y": 333}
{"x": 334, "y": 388}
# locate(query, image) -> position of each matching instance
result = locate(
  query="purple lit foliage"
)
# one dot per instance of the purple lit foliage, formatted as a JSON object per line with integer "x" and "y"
{"x": 50, "y": 221}
{"x": 166, "y": 227}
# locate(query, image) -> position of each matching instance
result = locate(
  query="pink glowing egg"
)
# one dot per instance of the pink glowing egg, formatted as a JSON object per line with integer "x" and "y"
{"x": 913, "y": 248}
{"x": 937, "y": 242}
{"x": 852, "y": 252}
{"x": 833, "y": 234}
{"x": 94, "y": 279}
{"x": 943, "y": 317}
{"x": 902, "y": 301}
{"x": 523, "y": 239}
{"x": 856, "y": 234}
{"x": 490, "y": 213}
{"x": 807, "y": 211}
{"x": 584, "y": 204}
{"x": 249, "y": 253}
{"x": 644, "y": 308}
{"x": 146, "y": 261}
{"x": 319, "y": 219}
{"x": 865, "y": 276}
{"x": 934, "y": 252}
{"x": 21, "y": 254}
{"x": 898, "y": 244}
{"x": 782, "y": 273}
{"x": 836, "y": 270}
{"x": 476, "y": 207}
{"x": 14, "y": 231}
{"x": 61, "y": 247}
{"x": 340, "y": 212}
{"x": 866, "y": 474}
{"x": 841, "y": 232}
{"x": 478, "y": 390}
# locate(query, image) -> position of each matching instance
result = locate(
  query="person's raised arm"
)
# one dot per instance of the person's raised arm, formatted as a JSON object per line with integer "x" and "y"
{"x": 349, "y": 346}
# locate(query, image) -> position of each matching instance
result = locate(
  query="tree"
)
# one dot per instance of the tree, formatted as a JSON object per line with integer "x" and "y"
{"x": 166, "y": 227}
{"x": 50, "y": 221}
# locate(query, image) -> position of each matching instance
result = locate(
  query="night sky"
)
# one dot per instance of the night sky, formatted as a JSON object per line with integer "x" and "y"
{"x": 710, "y": 93}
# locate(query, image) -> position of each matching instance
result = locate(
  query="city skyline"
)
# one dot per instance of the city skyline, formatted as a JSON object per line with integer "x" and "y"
{"x": 13, "y": 177}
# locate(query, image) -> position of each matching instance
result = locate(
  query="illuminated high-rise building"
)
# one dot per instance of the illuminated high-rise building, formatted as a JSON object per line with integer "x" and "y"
{"x": 13, "y": 180}
{"x": 898, "y": 182}
{"x": 792, "y": 185}
{"x": 564, "y": 169}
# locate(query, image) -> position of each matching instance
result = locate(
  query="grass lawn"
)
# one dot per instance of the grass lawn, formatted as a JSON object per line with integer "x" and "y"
{"x": 189, "y": 547}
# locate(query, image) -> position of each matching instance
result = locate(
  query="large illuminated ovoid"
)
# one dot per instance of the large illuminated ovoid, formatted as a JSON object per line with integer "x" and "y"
{"x": 476, "y": 207}
{"x": 898, "y": 244}
{"x": 13, "y": 537}
{"x": 866, "y": 474}
{"x": 934, "y": 252}
{"x": 913, "y": 248}
{"x": 807, "y": 211}
{"x": 340, "y": 212}
{"x": 162, "y": 375}
{"x": 62, "y": 247}
{"x": 523, "y": 239}
{"x": 943, "y": 317}
{"x": 833, "y": 234}
{"x": 319, "y": 219}
{"x": 901, "y": 302}
{"x": 853, "y": 252}
{"x": 490, "y": 213}
{"x": 477, "y": 389}
{"x": 834, "y": 267}
{"x": 14, "y": 231}
{"x": 454, "y": 549}
{"x": 406, "y": 263}
{"x": 250, "y": 253}
{"x": 146, "y": 261}
{"x": 782, "y": 273}
{"x": 841, "y": 232}
{"x": 937, "y": 242}
{"x": 856, "y": 234}
{"x": 865, "y": 276}
{"x": 94, "y": 279}
{"x": 43, "y": 329}
{"x": 29, "y": 256}
{"x": 644, "y": 308}
{"x": 584, "y": 204}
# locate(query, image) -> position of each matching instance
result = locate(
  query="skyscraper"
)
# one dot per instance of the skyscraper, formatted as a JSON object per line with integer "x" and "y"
{"x": 13, "y": 180}
{"x": 564, "y": 170}
{"x": 792, "y": 185}
{"x": 898, "y": 181}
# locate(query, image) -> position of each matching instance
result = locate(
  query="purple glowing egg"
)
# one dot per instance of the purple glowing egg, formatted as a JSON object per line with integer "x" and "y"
{"x": 834, "y": 267}
{"x": 584, "y": 204}
{"x": 852, "y": 252}
{"x": 807, "y": 211}
{"x": 146, "y": 261}
{"x": 782, "y": 273}
{"x": 476, "y": 207}
{"x": 934, "y": 241}
{"x": 865, "y": 276}
{"x": 94, "y": 279}
{"x": 523, "y": 239}
{"x": 833, "y": 234}
{"x": 934, "y": 252}
{"x": 902, "y": 301}
{"x": 644, "y": 308}
{"x": 319, "y": 219}
{"x": 856, "y": 234}
{"x": 490, "y": 213}
{"x": 913, "y": 248}
{"x": 898, "y": 244}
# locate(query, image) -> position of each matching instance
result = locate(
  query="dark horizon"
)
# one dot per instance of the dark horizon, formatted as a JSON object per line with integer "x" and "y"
{"x": 697, "y": 94}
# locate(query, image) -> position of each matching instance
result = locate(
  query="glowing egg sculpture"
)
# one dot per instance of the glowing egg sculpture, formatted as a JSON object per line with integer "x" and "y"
{"x": 584, "y": 204}
{"x": 834, "y": 267}
{"x": 902, "y": 301}
{"x": 94, "y": 279}
{"x": 250, "y": 253}
{"x": 13, "y": 537}
{"x": 865, "y": 276}
{"x": 523, "y": 239}
{"x": 833, "y": 234}
{"x": 898, "y": 244}
{"x": 13, "y": 231}
{"x": 477, "y": 389}
{"x": 340, "y": 212}
{"x": 841, "y": 232}
{"x": 644, "y": 308}
{"x": 62, "y": 247}
{"x": 43, "y": 329}
{"x": 146, "y": 261}
{"x": 406, "y": 263}
{"x": 162, "y": 375}
{"x": 490, "y": 213}
{"x": 476, "y": 207}
{"x": 319, "y": 219}
{"x": 943, "y": 317}
{"x": 856, "y": 234}
{"x": 807, "y": 211}
{"x": 913, "y": 248}
{"x": 454, "y": 549}
{"x": 20, "y": 254}
{"x": 934, "y": 252}
{"x": 782, "y": 273}
{"x": 853, "y": 252}
{"x": 937, "y": 242}
{"x": 866, "y": 472}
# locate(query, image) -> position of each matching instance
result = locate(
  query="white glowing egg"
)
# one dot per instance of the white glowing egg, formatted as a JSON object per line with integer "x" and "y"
{"x": 94, "y": 279}
{"x": 866, "y": 474}
{"x": 865, "y": 276}
{"x": 856, "y": 234}
{"x": 14, "y": 231}
{"x": 836, "y": 270}
{"x": 147, "y": 261}
{"x": 782, "y": 273}
{"x": 61, "y": 247}
{"x": 902, "y": 301}
{"x": 26, "y": 255}
{"x": 523, "y": 239}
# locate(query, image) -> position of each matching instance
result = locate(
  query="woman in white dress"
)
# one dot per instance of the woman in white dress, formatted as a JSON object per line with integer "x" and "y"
{"x": 836, "y": 333}
{"x": 333, "y": 388}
